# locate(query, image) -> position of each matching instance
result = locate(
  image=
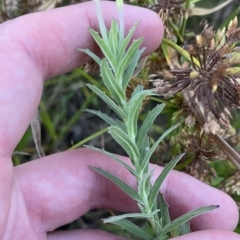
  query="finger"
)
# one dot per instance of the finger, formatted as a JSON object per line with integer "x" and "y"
{"x": 40, "y": 45}
{"x": 83, "y": 234}
{"x": 210, "y": 235}
{"x": 60, "y": 188}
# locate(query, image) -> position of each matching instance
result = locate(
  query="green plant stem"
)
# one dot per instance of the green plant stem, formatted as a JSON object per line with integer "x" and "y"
{"x": 176, "y": 31}
{"x": 89, "y": 138}
{"x": 159, "y": 100}
{"x": 184, "y": 22}
{"x": 181, "y": 51}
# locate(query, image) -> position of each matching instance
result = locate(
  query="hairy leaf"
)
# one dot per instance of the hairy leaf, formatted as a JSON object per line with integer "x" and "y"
{"x": 131, "y": 68}
{"x": 126, "y": 60}
{"x": 152, "y": 149}
{"x": 106, "y": 118}
{"x": 111, "y": 84}
{"x": 129, "y": 215}
{"x": 113, "y": 156}
{"x": 102, "y": 26}
{"x": 114, "y": 37}
{"x": 134, "y": 107}
{"x": 147, "y": 123}
{"x": 184, "y": 228}
{"x": 134, "y": 229}
{"x": 186, "y": 218}
{"x": 144, "y": 185}
{"x": 164, "y": 213}
{"x": 125, "y": 42}
{"x": 91, "y": 54}
{"x": 108, "y": 101}
{"x": 105, "y": 49}
{"x": 127, "y": 189}
{"x": 161, "y": 178}
{"x": 127, "y": 144}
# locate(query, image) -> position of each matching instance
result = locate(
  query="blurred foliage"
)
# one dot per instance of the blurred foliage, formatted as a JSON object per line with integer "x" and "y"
{"x": 64, "y": 125}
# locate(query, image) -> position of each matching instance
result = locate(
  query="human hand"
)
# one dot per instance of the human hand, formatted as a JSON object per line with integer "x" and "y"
{"x": 42, "y": 195}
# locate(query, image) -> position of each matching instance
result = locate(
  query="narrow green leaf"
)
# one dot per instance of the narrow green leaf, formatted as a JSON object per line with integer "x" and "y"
{"x": 144, "y": 185}
{"x": 113, "y": 156}
{"x": 186, "y": 218}
{"x": 108, "y": 101}
{"x": 127, "y": 144}
{"x": 89, "y": 138}
{"x": 125, "y": 42}
{"x": 164, "y": 213}
{"x": 161, "y": 178}
{"x": 134, "y": 107}
{"x": 136, "y": 90}
{"x": 141, "y": 207}
{"x": 130, "y": 215}
{"x": 123, "y": 163}
{"x": 130, "y": 191}
{"x": 175, "y": 232}
{"x": 184, "y": 229}
{"x": 103, "y": 29}
{"x": 147, "y": 123}
{"x": 106, "y": 118}
{"x": 157, "y": 223}
{"x": 188, "y": 3}
{"x": 155, "y": 145}
{"x": 140, "y": 65}
{"x": 114, "y": 37}
{"x": 104, "y": 48}
{"x": 126, "y": 60}
{"x": 111, "y": 84}
{"x": 131, "y": 68}
{"x": 145, "y": 148}
{"x": 91, "y": 54}
{"x": 134, "y": 229}
{"x": 181, "y": 51}
{"x": 162, "y": 237}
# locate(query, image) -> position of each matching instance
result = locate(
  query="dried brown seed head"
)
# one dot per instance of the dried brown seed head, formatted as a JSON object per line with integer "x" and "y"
{"x": 214, "y": 83}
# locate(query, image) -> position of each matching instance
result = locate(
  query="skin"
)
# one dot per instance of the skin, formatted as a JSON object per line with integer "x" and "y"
{"x": 39, "y": 196}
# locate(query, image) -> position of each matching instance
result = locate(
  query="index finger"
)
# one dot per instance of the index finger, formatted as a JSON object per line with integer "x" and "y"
{"x": 41, "y": 45}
